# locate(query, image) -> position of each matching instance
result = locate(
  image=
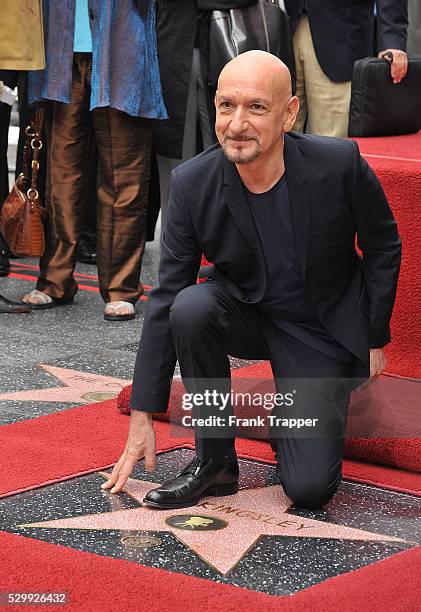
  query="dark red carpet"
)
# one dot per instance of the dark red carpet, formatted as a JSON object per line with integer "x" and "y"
{"x": 397, "y": 163}
{"x": 60, "y": 446}
{"x": 403, "y": 149}
{"x": 102, "y": 584}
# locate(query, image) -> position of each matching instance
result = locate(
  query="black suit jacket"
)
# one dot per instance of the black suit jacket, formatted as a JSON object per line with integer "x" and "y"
{"x": 334, "y": 195}
{"x": 342, "y": 30}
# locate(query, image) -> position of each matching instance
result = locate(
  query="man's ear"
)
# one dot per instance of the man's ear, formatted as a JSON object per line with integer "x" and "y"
{"x": 291, "y": 112}
{"x": 215, "y": 98}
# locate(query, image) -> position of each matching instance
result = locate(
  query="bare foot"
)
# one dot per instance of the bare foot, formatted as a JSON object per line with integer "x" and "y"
{"x": 119, "y": 309}
{"x": 36, "y": 297}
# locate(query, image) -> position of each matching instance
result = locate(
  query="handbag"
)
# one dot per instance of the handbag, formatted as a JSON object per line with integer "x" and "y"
{"x": 378, "y": 106}
{"x": 21, "y": 214}
{"x": 262, "y": 25}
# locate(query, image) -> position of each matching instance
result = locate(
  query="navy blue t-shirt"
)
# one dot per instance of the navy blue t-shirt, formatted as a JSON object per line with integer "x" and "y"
{"x": 285, "y": 301}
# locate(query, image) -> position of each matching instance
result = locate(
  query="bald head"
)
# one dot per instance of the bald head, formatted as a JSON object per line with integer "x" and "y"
{"x": 254, "y": 108}
{"x": 260, "y": 68}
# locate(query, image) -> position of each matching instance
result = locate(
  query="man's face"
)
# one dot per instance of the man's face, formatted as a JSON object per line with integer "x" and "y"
{"x": 250, "y": 117}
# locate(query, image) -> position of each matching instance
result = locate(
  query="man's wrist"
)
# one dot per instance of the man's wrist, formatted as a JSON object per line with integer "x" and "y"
{"x": 143, "y": 418}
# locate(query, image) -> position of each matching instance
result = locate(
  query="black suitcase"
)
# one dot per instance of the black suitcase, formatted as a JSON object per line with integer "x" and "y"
{"x": 378, "y": 106}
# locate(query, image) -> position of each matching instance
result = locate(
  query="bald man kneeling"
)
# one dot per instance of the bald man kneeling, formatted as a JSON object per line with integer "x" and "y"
{"x": 277, "y": 213}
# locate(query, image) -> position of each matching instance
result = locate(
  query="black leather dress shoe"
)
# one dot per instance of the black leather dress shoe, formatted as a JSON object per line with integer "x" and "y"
{"x": 217, "y": 476}
{"x": 86, "y": 252}
{"x": 9, "y": 307}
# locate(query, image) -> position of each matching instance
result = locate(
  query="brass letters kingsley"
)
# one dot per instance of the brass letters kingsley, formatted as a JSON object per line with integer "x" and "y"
{"x": 250, "y": 514}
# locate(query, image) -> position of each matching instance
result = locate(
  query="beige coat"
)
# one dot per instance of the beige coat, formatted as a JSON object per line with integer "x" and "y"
{"x": 21, "y": 35}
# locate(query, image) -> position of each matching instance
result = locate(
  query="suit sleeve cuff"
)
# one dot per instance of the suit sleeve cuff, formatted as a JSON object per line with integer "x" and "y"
{"x": 152, "y": 405}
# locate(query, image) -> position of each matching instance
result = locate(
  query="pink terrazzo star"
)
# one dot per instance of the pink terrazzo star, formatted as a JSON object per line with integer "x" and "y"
{"x": 248, "y": 514}
{"x": 77, "y": 388}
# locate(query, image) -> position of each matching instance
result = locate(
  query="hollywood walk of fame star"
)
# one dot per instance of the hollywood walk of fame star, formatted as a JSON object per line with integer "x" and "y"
{"x": 220, "y": 530}
{"x": 77, "y": 387}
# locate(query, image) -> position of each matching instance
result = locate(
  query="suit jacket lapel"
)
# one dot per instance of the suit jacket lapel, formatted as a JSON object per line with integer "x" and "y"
{"x": 299, "y": 199}
{"x": 238, "y": 205}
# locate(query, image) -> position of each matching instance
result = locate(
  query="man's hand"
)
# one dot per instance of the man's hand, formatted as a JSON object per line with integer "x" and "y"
{"x": 399, "y": 64}
{"x": 377, "y": 365}
{"x": 140, "y": 443}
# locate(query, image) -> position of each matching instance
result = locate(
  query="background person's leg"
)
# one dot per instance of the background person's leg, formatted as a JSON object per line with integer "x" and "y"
{"x": 67, "y": 127}
{"x": 197, "y": 117}
{"x": 208, "y": 325}
{"x": 87, "y": 241}
{"x": 207, "y": 132}
{"x": 165, "y": 166}
{"x": 327, "y": 102}
{"x": 124, "y": 157}
{"x": 300, "y": 91}
{"x": 9, "y": 78}
{"x": 310, "y": 469}
{"x": 195, "y": 112}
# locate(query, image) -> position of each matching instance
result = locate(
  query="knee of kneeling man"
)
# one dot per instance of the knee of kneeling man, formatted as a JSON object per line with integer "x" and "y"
{"x": 188, "y": 312}
{"x": 310, "y": 495}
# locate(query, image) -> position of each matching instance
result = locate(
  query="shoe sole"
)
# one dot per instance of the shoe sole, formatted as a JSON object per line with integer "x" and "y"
{"x": 48, "y": 305}
{"x": 15, "y": 311}
{"x": 119, "y": 317}
{"x": 220, "y": 491}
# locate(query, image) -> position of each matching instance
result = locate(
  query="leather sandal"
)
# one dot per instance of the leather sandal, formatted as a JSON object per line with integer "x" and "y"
{"x": 45, "y": 301}
{"x": 112, "y": 308}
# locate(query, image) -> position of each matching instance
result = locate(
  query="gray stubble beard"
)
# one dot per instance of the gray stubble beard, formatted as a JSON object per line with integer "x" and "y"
{"x": 250, "y": 157}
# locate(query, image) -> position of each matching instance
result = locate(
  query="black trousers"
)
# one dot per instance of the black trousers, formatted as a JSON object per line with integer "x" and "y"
{"x": 207, "y": 325}
{"x": 9, "y": 78}
{"x": 13, "y": 78}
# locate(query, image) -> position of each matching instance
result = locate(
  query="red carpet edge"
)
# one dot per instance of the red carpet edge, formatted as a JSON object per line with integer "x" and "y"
{"x": 90, "y": 438}
{"x": 96, "y": 583}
